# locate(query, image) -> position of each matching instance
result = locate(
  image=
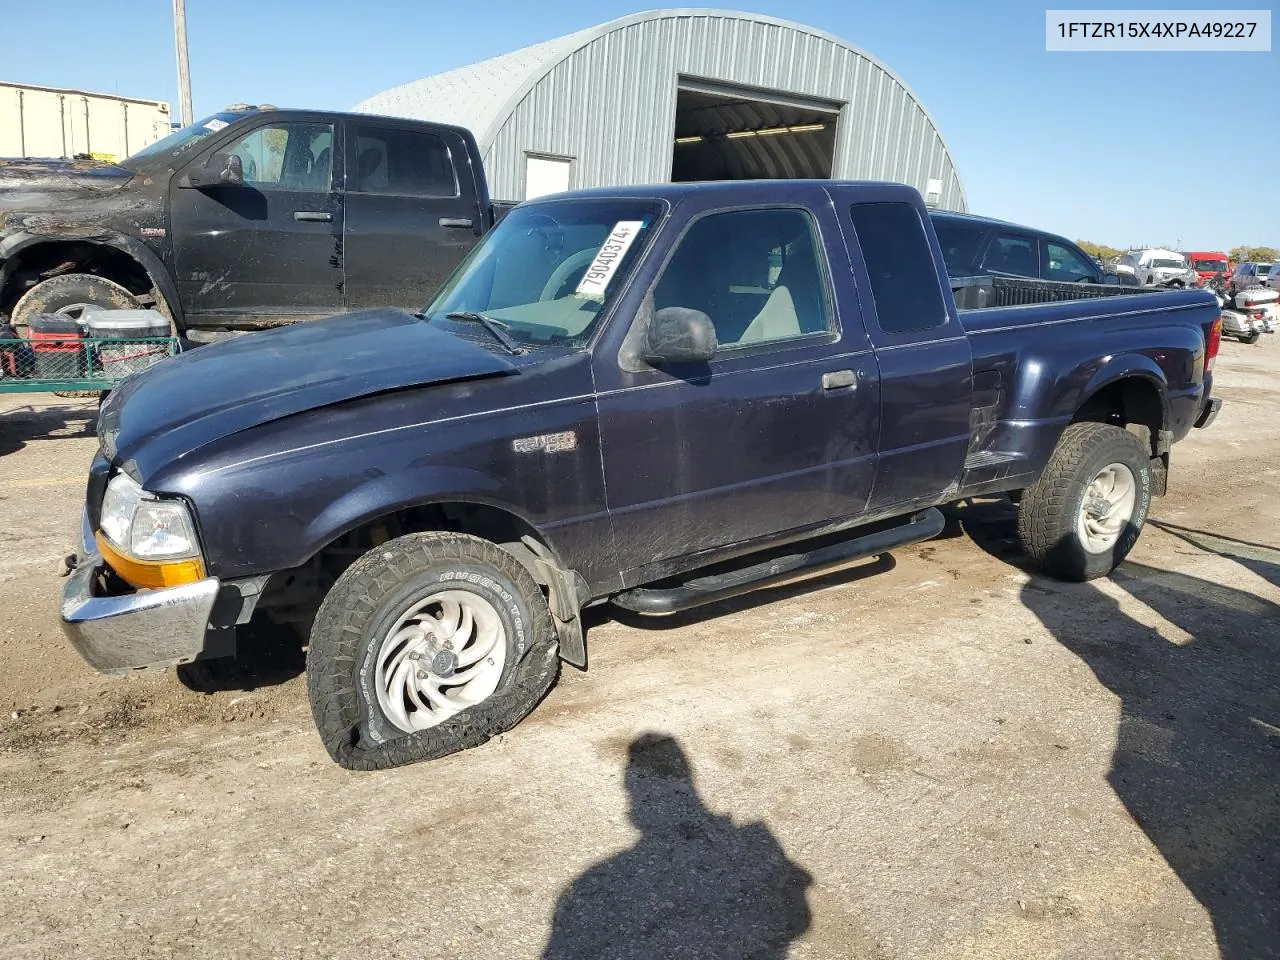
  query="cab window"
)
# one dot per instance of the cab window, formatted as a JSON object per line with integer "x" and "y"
{"x": 1012, "y": 253}
{"x": 1065, "y": 264}
{"x": 755, "y": 273}
{"x": 286, "y": 156}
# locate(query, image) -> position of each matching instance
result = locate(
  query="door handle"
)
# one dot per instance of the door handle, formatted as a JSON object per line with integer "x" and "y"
{"x": 463, "y": 222}
{"x": 838, "y": 379}
{"x": 319, "y": 216}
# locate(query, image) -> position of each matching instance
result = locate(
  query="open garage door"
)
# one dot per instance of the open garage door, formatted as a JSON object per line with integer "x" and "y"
{"x": 733, "y": 133}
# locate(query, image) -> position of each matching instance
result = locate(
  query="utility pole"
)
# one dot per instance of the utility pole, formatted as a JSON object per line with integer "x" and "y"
{"x": 184, "y": 72}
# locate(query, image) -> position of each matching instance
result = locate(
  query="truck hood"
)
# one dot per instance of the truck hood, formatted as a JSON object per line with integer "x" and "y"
{"x": 58, "y": 176}
{"x": 215, "y": 391}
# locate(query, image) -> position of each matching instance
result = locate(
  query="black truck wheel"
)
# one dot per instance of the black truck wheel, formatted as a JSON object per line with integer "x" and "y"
{"x": 1084, "y": 514}
{"x": 69, "y": 294}
{"x": 428, "y": 644}
{"x": 1251, "y": 337}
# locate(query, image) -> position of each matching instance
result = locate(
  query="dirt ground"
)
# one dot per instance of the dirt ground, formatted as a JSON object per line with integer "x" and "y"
{"x": 932, "y": 755}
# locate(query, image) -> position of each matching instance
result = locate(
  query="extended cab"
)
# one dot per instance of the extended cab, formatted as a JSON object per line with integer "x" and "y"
{"x": 660, "y": 396}
{"x": 249, "y": 218}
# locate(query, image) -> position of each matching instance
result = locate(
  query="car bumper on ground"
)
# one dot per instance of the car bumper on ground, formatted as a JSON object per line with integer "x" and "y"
{"x": 132, "y": 631}
{"x": 1209, "y": 412}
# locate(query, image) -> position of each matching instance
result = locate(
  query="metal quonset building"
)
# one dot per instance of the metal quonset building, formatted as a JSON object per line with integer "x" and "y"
{"x": 685, "y": 95}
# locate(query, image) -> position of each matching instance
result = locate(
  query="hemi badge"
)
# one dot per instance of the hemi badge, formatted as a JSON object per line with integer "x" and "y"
{"x": 153, "y": 232}
{"x": 550, "y": 442}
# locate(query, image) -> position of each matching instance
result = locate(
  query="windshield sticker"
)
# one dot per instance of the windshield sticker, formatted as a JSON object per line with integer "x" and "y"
{"x": 214, "y": 125}
{"x": 595, "y": 281}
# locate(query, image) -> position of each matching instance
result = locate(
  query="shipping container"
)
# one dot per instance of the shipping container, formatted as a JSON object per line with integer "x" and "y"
{"x": 51, "y": 122}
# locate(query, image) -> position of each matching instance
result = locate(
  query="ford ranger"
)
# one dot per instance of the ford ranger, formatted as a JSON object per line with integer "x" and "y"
{"x": 656, "y": 396}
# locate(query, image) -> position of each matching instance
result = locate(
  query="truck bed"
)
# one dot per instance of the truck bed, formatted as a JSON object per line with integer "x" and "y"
{"x": 977, "y": 293}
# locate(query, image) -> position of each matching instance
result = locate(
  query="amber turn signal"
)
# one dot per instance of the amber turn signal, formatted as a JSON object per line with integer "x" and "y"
{"x": 151, "y": 574}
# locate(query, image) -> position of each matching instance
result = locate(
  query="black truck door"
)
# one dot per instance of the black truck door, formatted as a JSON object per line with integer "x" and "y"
{"x": 412, "y": 212}
{"x": 924, "y": 356}
{"x": 777, "y": 432}
{"x": 270, "y": 248}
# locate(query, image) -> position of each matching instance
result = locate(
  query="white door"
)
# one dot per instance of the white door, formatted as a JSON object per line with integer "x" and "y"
{"x": 544, "y": 175}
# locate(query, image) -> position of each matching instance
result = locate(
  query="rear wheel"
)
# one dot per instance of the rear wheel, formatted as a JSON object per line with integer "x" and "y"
{"x": 429, "y": 644}
{"x": 1085, "y": 513}
{"x": 1251, "y": 337}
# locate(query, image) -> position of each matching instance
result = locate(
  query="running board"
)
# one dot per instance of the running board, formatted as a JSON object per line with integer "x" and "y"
{"x": 654, "y": 601}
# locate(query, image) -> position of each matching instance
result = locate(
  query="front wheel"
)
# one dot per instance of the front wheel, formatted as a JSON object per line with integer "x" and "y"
{"x": 1085, "y": 513}
{"x": 1251, "y": 337}
{"x": 429, "y": 644}
{"x": 69, "y": 296}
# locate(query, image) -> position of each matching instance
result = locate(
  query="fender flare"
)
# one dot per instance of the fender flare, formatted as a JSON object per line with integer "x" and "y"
{"x": 144, "y": 256}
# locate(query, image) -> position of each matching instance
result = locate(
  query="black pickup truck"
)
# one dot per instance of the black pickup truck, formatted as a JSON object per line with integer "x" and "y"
{"x": 250, "y": 218}
{"x": 659, "y": 396}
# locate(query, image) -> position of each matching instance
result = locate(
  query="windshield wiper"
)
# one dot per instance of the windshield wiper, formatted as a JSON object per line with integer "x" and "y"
{"x": 495, "y": 327}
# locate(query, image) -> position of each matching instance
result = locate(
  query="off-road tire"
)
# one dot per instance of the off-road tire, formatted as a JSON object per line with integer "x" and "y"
{"x": 362, "y": 605}
{"x": 1050, "y": 507}
{"x": 57, "y": 293}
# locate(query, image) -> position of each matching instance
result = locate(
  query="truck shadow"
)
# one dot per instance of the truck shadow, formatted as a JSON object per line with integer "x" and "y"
{"x": 1197, "y": 757}
{"x": 694, "y": 884}
{"x": 267, "y": 655}
{"x": 20, "y": 425}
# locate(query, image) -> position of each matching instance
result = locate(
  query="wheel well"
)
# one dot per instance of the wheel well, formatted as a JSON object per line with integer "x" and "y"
{"x": 1133, "y": 403}
{"x": 294, "y": 596}
{"x": 56, "y": 257}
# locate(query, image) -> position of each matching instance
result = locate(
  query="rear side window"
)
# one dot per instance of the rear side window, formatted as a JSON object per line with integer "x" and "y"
{"x": 1013, "y": 253}
{"x": 961, "y": 245}
{"x": 904, "y": 280}
{"x": 401, "y": 163}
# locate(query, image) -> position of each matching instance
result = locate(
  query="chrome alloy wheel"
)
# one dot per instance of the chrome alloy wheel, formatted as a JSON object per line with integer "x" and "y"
{"x": 442, "y": 655}
{"x": 1107, "y": 508}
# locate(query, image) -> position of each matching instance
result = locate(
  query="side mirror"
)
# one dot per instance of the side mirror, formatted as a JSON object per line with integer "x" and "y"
{"x": 1112, "y": 278}
{"x": 232, "y": 169}
{"x": 230, "y": 172}
{"x": 680, "y": 335}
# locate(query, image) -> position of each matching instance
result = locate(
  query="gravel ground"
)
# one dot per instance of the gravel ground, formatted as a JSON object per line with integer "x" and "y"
{"x": 933, "y": 755}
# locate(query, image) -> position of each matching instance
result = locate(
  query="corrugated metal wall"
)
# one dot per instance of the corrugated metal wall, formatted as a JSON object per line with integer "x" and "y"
{"x": 48, "y": 122}
{"x": 611, "y": 104}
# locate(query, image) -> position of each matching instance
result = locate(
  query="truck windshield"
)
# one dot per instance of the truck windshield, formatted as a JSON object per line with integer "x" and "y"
{"x": 1168, "y": 264}
{"x": 548, "y": 269}
{"x": 1217, "y": 266}
{"x": 180, "y": 141}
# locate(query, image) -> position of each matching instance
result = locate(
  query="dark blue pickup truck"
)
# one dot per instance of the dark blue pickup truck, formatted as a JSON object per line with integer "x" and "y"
{"x": 657, "y": 396}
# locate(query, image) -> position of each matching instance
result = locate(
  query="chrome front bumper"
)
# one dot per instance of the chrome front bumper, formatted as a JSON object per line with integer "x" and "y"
{"x": 149, "y": 628}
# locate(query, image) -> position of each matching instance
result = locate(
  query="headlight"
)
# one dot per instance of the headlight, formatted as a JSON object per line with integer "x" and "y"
{"x": 146, "y": 527}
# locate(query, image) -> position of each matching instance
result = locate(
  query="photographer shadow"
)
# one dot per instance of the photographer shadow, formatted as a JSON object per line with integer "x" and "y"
{"x": 693, "y": 885}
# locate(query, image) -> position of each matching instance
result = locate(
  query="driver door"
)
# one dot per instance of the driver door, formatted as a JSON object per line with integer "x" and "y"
{"x": 267, "y": 249}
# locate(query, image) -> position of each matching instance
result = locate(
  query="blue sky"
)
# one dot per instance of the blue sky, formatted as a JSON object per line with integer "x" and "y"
{"x": 1120, "y": 148}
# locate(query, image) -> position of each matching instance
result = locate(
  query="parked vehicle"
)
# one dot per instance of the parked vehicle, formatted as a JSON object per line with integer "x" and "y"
{"x": 1158, "y": 267}
{"x": 1247, "y": 315}
{"x": 252, "y": 217}
{"x": 974, "y": 246}
{"x": 1207, "y": 263}
{"x": 1248, "y": 274}
{"x": 659, "y": 396}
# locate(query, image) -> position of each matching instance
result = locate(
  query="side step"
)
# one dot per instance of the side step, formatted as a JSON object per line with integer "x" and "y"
{"x": 655, "y": 601}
